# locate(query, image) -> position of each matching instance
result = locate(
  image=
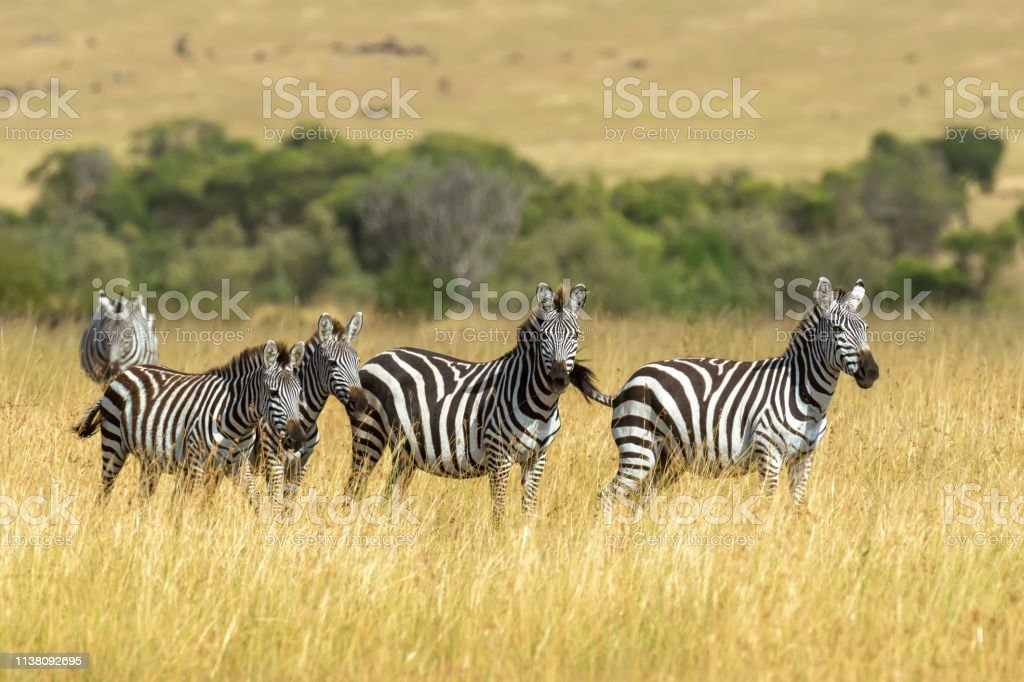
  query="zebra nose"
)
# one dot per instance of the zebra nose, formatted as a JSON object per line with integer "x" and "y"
{"x": 295, "y": 435}
{"x": 357, "y": 402}
{"x": 867, "y": 373}
{"x": 559, "y": 375}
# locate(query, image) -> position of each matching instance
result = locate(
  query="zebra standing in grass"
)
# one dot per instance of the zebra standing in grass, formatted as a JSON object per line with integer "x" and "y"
{"x": 330, "y": 367}
{"x": 465, "y": 419}
{"x": 197, "y": 424}
{"x": 726, "y": 416}
{"x": 120, "y": 336}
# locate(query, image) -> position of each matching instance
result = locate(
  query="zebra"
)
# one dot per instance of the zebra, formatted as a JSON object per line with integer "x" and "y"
{"x": 120, "y": 336}
{"x": 463, "y": 419}
{"x": 197, "y": 424}
{"x": 330, "y": 367}
{"x": 725, "y": 416}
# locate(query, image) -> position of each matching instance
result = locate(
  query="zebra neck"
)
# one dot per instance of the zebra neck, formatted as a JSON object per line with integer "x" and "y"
{"x": 814, "y": 379}
{"x": 315, "y": 390}
{"x": 530, "y": 383}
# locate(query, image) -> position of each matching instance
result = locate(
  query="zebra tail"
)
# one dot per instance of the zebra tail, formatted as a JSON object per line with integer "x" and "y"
{"x": 89, "y": 423}
{"x": 583, "y": 379}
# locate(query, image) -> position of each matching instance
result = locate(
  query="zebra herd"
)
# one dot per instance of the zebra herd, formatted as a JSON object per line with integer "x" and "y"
{"x": 257, "y": 414}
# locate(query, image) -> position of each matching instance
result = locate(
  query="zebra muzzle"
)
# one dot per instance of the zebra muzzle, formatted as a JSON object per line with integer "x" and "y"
{"x": 294, "y": 435}
{"x": 357, "y": 403}
{"x": 559, "y": 375}
{"x": 867, "y": 373}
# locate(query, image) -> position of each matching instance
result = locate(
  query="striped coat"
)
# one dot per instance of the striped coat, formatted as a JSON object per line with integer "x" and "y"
{"x": 120, "y": 335}
{"x": 196, "y": 424}
{"x": 717, "y": 417}
{"x": 463, "y": 419}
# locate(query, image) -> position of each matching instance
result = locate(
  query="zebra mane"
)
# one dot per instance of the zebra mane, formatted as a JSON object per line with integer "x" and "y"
{"x": 249, "y": 358}
{"x": 536, "y": 313}
{"x": 811, "y": 318}
{"x": 337, "y": 327}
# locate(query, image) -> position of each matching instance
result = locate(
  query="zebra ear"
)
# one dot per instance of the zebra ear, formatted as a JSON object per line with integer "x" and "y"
{"x": 354, "y": 325}
{"x": 577, "y": 297}
{"x": 105, "y": 307}
{"x": 270, "y": 354}
{"x": 545, "y": 297}
{"x": 823, "y": 296}
{"x": 295, "y": 354}
{"x": 856, "y": 295}
{"x": 325, "y": 327}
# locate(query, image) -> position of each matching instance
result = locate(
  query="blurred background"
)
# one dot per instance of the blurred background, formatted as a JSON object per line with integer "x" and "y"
{"x": 357, "y": 152}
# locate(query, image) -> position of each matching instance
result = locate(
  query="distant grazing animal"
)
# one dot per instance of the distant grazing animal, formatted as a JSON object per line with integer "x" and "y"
{"x": 197, "y": 424}
{"x": 465, "y": 419}
{"x": 717, "y": 417}
{"x": 330, "y": 367}
{"x": 119, "y": 336}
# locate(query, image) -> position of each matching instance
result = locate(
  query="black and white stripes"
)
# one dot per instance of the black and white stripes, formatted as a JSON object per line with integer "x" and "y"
{"x": 196, "y": 424}
{"x": 465, "y": 419}
{"x": 330, "y": 367}
{"x": 119, "y": 336}
{"x": 717, "y": 417}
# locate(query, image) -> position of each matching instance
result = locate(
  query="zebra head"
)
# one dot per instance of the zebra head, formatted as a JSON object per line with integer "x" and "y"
{"x": 278, "y": 402}
{"x": 559, "y": 332}
{"x": 340, "y": 360}
{"x": 842, "y": 334}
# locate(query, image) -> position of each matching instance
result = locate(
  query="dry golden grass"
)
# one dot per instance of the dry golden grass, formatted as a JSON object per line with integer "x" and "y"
{"x": 864, "y": 586}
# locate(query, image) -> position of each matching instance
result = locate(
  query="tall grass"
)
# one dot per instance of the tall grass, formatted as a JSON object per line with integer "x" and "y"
{"x": 864, "y": 585}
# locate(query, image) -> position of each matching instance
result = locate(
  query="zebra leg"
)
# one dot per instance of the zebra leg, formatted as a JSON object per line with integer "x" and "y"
{"x": 499, "y": 465}
{"x": 149, "y": 475}
{"x": 799, "y": 471}
{"x": 532, "y": 472}
{"x": 638, "y": 458}
{"x": 768, "y": 465}
{"x": 245, "y": 479}
{"x": 114, "y": 453}
{"x": 366, "y": 452}
{"x": 401, "y": 473}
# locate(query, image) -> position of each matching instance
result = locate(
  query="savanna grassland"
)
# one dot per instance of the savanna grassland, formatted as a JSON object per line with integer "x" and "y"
{"x": 530, "y": 75}
{"x": 865, "y": 585}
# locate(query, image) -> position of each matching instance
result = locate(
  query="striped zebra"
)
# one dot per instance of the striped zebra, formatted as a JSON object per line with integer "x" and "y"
{"x": 197, "y": 424}
{"x": 330, "y": 367}
{"x": 726, "y": 416}
{"x": 465, "y": 419}
{"x": 120, "y": 336}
